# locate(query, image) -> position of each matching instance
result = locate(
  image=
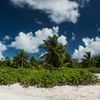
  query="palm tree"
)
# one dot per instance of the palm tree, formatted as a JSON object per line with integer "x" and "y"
{"x": 7, "y": 62}
{"x": 88, "y": 60}
{"x": 21, "y": 59}
{"x": 66, "y": 60}
{"x": 32, "y": 61}
{"x": 97, "y": 60}
{"x": 54, "y": 51}
{"x": 1, "y": 63}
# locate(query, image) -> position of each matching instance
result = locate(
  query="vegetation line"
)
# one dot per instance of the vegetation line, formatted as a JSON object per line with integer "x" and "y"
{"x": 55, "y": 67}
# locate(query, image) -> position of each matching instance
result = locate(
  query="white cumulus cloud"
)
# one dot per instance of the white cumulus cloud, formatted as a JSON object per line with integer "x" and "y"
{"x": 62, "y": 39}
{"x": 91, "y": 45}
{"x": 57, "y": 10}
{"x": 31, "y": 43}
{"x": 2, "y": 48}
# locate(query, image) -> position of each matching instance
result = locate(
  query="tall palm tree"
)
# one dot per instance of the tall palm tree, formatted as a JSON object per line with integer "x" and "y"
{"x": 87, "y": 60}
{"x": 54, "y": 50}
{"x": 21, "y": 59}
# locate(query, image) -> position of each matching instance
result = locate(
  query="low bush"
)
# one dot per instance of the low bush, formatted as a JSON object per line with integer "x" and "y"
{"x": 46, "y": 77}
{"x": 92, "y": 69}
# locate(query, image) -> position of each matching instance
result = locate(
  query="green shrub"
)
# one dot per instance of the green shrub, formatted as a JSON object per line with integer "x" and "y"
{"x": 92, "y": 69}
{"x": 45, "y": 77}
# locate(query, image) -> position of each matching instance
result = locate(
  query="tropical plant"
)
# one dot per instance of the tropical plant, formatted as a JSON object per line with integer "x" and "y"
{"x": 7, "y": 62}
{"x": 87, "y": 60}
{"x": 32, "y": 61}
{"x": 54, "y": 51}
{"x": 35, "y": 62}
{"x": 1, "y": 63}
{"x": 65, "y": 60}
{"x": 21, "y": 59}
{"x": 97, "y": 60}
{"x": 46, "y": 77}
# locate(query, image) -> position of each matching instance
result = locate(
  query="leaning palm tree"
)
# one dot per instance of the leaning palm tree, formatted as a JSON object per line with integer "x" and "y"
{"x": 54, "y": 50}
{"x": 88, "y": 60}
{"x": 21, "y": 59}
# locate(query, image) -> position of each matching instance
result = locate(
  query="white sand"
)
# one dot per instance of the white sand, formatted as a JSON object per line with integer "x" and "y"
{"x": 17, "y": 92}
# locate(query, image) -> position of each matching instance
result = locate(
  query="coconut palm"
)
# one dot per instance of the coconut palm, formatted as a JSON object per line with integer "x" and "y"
{"x": 1, "y": 63}
{"x": 7, "y": 62}
{"x": 66, "y": 60}
{"x": 97, "y": 60}
{"x": 87, "y": 60}
{"x": 32, "y": 61}
{"x": 21, "y": 59}
{"x": 54, "y": 51}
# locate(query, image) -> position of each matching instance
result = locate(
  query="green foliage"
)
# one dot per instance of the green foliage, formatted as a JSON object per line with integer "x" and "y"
{"x": 98, "y": 81}
{"x": 97, "y": 61}
{"x": 32, "y": 61}
{"x": 55, "y": 53}
{"x": 7, "y": 62}
{"x": 56, "y": 56}
{"x": 21, "y": 59}
{"x": 92, "y": 69}
{"x": 87, "y": 60}
{"x": 46, "y": 78}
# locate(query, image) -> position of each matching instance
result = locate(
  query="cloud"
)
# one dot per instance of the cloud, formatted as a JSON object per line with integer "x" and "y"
{"x": 91, "y": 45}
{"x": 83, "y": 2}
{"x": 58, "y": 10}
{"x": 30, "y": 42}
{"x": 98, "y": 28}
{"x": 7, "y": 38}
{"x": 38, "y": 22}
{"x": 62, "y": 39}
{"x": 73, "y": 36}
{"x": 2, "y": 48}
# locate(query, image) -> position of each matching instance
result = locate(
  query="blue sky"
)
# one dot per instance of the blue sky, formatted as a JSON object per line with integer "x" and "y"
{"x": 78, "y": 27}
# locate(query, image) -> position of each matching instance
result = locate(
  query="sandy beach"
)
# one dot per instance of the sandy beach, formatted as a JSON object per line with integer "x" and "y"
{"x": 17, "y": 92}
{"x": 49, "y": 50}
